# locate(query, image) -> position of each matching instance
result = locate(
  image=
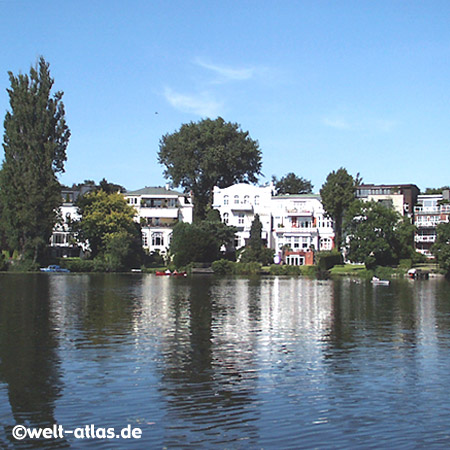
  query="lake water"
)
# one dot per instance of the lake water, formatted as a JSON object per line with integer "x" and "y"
{"x": 207, "y": 362}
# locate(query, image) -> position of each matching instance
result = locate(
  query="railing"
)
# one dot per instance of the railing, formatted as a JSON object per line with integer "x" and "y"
{"x": 443, "y": 209}
{"x": 300, "y": 212}
{"x": 425, "y": 238}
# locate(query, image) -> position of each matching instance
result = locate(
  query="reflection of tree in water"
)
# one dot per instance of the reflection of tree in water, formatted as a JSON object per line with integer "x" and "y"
{"x": 29, "y": 363}
{"x": 205, "y": 382}
{"x": 107, "y": 311}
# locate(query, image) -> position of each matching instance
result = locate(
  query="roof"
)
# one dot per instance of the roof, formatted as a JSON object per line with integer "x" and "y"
{"x": 154, "y": 191}
{"x": 299, "y": 196}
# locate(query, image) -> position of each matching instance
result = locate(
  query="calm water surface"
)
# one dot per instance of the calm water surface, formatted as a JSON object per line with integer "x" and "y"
{"x": 226, "y": 363}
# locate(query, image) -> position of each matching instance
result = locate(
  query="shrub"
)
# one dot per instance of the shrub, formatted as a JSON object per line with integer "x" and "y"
{"x": 250, "y": 268}
{"x": 405, "y": 263}
{"x": 78, "y": 265}
{"x": 23, "y": 265}
{"x": 327, "y": 260}
{"x": 222, "y": 267}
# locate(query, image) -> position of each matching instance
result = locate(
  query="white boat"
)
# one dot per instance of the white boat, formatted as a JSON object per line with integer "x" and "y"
{"x": 377, "y": 281}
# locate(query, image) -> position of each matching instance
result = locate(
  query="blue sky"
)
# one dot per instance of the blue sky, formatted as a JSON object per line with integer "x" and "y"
{"x": 359, "y": 84}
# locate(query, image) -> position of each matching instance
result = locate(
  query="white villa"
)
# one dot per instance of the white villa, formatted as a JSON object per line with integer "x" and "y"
{"x": 238, "y": 205}
{"x": 158, "y": 210}
{"x": 293, "y": 225}
{"x": 63, "y": 242}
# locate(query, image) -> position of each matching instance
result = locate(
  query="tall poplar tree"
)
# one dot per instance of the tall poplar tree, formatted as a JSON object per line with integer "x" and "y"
{"x": 35, "y": 141}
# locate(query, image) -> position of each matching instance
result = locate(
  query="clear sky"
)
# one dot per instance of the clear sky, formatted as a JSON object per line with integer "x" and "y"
{"x": 320, "y": 84}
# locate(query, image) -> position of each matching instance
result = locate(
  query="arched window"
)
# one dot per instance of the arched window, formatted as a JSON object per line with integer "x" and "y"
{"x": 256, "y": 199}
{"x": 226, "y": 218}
{"x": 246, "y": 199}
{"x": 157, "y": 239}
{"x": 226, "y": 199}
{"x": 236, "y": 199}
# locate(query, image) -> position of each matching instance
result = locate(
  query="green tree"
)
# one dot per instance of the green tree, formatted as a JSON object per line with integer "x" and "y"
{"x": 337, "y": 194}
{"x": 441, "y": 248}
{"x": 108, "y": 227}
{"x": 292, "y": 184}
{"x": 35, "y": 141}
{"x": 200, "y": 242}
{"x": 429, "y": 191}
{"x": 110, "y": 188}
{"x": 256, "y": 250}
{"x": 209, "y": 153}
{"x": 377, "y": 235}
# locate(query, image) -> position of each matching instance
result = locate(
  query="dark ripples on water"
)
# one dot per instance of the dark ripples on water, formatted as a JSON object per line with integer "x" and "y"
{"x": 226, "y": 363}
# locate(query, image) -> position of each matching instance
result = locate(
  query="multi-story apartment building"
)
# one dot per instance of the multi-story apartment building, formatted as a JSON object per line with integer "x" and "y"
{"x": 63, "y": 242}
{"x": 300, "y": 226}
{"x": 238, "y": 205}
{"x": 431, "y": 210}
{"x": 159, "y": 209}
{"x": 401, "y": 197}
{"x": 293, "y": 225}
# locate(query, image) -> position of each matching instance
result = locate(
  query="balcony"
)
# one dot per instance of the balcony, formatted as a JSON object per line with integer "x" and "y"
{"x": 419, "y": 238}
{"x": 241, "y": 207}
{"x": 443, "y": 209}
{"x": 298, "y": 212}
{"x": 163, "y": 213}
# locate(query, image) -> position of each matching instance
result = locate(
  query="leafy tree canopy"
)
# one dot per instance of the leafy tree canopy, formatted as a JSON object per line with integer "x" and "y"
{"x": 209, "y": 153}
{"x": 199, "y": 242}
{"x": 429, "y": 191}
{"x": 441, "y": 248}
{"x": 107, "y": 225}
{"x": 35, "y": 141}
{"x": 292, "y": 184}
{"x": 338, "y": 193}
{"x": 377, "y": 235}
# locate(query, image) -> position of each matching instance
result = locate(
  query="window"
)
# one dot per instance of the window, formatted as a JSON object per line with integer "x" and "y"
{"x": 226, "y": 218}
{"x": 241, "y": 219}
{"x": 236, "y": 199}
{"x": 144, "y": 240}
{"x": 226, "y": 199}
{"x": 157, "y": 239}
{"x": 256, "y": 199}
{"x": 59, "y": 238}
{"x": 246, "y": 199}
{"x": 325, "y": 244}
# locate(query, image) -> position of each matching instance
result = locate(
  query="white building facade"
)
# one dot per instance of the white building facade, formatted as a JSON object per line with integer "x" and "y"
{"x": 300, "y": 223}
{"x": 158, "y": 210}
{"x": 430, "y": 211}
{"x": 238, "y": 205}
{"x": 293, "y": 225}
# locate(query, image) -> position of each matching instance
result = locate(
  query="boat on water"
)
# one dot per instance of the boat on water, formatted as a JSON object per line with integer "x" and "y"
{"x": 171, "y": 274}
{"x": 376, "y": 281}
{"x": 54, "y": 268}
{"x": 418, "y": 274}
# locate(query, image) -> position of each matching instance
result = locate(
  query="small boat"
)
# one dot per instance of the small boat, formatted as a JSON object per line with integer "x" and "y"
{"x": 162, "y": 274}
{"x": 377, "y": 282}
{"x": 54, "y": 268}
{"x": 179, "y": 274}
{"x": 418, "y": 274}
{"x": 169, "y": 273}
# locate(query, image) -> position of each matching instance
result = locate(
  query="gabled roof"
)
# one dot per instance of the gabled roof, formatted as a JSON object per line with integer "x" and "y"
{"x": 154, "y": 191}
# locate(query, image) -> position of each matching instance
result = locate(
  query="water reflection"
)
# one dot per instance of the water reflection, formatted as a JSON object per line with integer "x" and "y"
{"x": 227, "y": 363}
{"x": 30, "y": 365}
